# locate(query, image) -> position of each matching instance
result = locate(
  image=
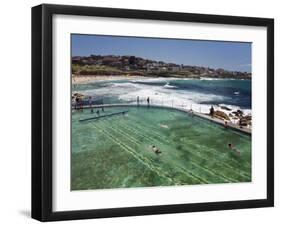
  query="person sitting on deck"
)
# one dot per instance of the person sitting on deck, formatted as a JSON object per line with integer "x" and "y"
{"x": 212, "y": 111}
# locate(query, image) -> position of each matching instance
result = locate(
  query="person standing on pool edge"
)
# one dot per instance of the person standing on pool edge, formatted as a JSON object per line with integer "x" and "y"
{"x": 212, "y": 111}
{"x": 77, "y": 102}
{"x": 147, "y": 101}
{"x": 90, "y": 101}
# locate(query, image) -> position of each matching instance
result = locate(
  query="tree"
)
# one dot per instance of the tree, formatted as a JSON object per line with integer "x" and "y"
{"x": 132, "y": 60}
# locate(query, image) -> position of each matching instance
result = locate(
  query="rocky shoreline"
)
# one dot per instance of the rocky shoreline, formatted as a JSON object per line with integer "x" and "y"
{"x": 235, "y": 116}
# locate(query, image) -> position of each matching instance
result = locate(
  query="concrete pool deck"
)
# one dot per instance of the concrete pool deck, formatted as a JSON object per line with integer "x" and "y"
{"x": 230, "y": 125}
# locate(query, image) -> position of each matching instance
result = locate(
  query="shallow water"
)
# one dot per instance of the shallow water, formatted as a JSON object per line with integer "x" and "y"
{"x": 117, "y": 152}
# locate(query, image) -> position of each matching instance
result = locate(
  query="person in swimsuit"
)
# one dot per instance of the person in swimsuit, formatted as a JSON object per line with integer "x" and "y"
{"x": 231, "y": 146}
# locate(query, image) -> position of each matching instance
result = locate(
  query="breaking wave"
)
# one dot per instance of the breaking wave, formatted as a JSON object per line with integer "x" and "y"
{"x": 162, "y": 91}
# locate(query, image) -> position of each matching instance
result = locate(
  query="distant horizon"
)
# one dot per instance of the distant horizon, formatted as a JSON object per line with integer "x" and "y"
{"x": 231, "y": 56}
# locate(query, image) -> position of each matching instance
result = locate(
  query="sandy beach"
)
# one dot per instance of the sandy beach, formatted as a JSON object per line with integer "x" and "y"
{"x": 83, "y": 79}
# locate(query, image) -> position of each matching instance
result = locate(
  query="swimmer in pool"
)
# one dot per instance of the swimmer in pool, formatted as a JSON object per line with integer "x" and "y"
{"x": 231, "y": 146}
{"x": 156, "y": 150}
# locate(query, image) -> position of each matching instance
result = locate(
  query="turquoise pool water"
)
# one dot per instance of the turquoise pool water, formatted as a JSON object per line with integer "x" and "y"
{"x": 116, "y": 152}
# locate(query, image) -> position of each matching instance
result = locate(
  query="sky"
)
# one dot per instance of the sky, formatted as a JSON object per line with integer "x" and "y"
{"x": 234, "y": 56}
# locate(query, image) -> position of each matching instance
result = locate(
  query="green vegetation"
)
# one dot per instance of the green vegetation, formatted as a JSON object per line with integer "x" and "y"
{"x": 95, "y": 70}
{"x": 132, "y": 65}
{"x": 101, "y": 70}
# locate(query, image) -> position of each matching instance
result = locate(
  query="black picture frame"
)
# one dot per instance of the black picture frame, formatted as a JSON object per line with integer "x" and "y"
{"x": 42, "y": 108}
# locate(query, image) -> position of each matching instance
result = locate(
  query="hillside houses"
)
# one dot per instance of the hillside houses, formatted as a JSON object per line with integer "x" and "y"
{"x": 129, "y": 63}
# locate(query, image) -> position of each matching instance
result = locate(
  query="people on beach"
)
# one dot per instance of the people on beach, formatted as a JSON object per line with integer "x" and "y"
{"x": 232, "y": 147}
{"x": 98, "y": 112}
{"x": 102, "y": 109}
{"x": 212, "y": 111}
{"x": 138, "y": 100}
{"x": 148, "y": 100}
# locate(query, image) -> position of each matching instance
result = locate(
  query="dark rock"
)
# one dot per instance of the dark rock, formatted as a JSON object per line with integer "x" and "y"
{"x": 226, "y": 108}
{"x": 221, "y": 115}
{"x": 240, "y": 112}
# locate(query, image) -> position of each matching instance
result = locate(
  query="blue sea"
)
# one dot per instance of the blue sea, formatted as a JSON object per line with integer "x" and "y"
{"x": 198, "y": 94}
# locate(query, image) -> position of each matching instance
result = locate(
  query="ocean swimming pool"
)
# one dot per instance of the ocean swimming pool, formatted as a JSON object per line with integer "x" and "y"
{"x": 116, "y": 152}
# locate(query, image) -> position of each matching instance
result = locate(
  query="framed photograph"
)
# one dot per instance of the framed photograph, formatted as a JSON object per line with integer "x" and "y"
{"x": 145, "y": 112}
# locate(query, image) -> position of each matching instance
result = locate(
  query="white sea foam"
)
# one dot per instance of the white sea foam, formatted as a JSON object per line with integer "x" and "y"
{"x": 149, "y": 80}
{"x": 167, "y": 85}
{"x": 207, "y": 78}
{"x": 234, "y": 108}
{"x": 161, "y": 95}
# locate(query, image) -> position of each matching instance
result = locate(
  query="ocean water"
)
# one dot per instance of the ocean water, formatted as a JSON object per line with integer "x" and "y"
{"x": 189, "y": 93}
{"x": 116, "y": 152}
